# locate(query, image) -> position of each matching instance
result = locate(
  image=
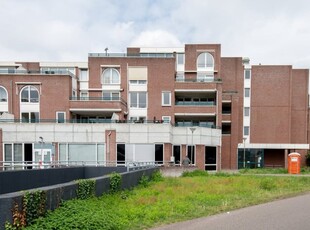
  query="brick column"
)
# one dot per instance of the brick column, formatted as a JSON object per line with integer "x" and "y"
{"x": 200, "y": 157}
{"x": 110, "y": 140}
{"x": 285, "y": 158}
{"x": 167, "y": 153}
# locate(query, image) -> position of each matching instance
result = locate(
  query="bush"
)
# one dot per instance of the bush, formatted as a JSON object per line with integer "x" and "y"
{"x": 144, "y": 181}
{"x": 86, "y": 189}
{"x": 156, "y": 176}
{"x": 267, "y": 184}
{"x": 115, "y": 182}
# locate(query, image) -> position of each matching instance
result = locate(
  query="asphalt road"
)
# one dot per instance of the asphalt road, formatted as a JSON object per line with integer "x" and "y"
{"x": 290, "y": 213}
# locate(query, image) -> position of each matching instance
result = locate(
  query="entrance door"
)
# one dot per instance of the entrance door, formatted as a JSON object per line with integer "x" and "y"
{"x": 42, "y": 157}
{"x": 28, "y": 154}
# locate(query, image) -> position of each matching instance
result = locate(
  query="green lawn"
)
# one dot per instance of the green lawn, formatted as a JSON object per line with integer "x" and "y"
{"x": 171, "y": 200}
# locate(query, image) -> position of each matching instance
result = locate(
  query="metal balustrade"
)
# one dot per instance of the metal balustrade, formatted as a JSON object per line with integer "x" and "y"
{"x": 26, "y": 165}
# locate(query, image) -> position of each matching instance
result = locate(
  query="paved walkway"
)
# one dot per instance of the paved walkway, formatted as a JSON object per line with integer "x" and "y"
{"x": 290, "y": 213}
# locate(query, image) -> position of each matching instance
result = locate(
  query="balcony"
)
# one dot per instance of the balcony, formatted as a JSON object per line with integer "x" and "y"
{"x": 195, "y": 103}
{"x": 36, "y": 72}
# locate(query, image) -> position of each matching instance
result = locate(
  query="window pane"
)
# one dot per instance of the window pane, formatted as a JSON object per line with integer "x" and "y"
{"x": 142, "y": 100}
{"x": 210, "y": 155}
{"x": 246, "y": 130}
{"x": 190, "y": 150}
{"x": 115, "y": 96}
{"x": 61, "y": 117}
{"x": 8, "y": 152}
{"x": 83, "y": 75}
{"x": 25, "y": 117}
{"x": 3, "y": 95}
{"x": 159, "y": 154}
{"x": 82, "y": 153}
{"x": 166, "y": 98}
{"x": 180, "y": 59}
{"x": 246, "y": 92}
{"x": 62, "y": 152}
{"x": 247, "y": 74}
{"x": 246, "y": 111}
{"x": 34, "y": 117}
{"x": 106, "y": 76}
{"x": 115, "y": 76}
{"x": 177, "y": 154}
{"x": 133, "y": 100}
{"x": 18, "y": 152}
{"x": 25, "y": 95}
{"x": 100, "y": 153}
{"x": 121, "y": 154}
{"x": 34, "y": 95}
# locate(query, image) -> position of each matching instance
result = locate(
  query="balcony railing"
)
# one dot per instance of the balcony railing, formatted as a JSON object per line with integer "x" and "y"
{"x": 39, "y": 72}
{"x": 200, "y": 124}
{"x": 139, "y": 55}
{"x": 195, "y": 103}
{"x": 198, "y": 80}
{"x": 98, "y": 99}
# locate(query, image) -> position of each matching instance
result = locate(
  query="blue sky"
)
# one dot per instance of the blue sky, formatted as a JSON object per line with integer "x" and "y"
{"x": 268, "y": 32}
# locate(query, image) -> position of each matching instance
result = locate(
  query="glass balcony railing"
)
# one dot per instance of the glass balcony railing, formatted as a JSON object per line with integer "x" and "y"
{"x": 17, "y": 71}
{"x": 196, "y": 123}
{"x": 198, "y": 80}
{"x": 106, "y": 99}
{"x": 139, "y": 55}
{"x": 195, "y": 103}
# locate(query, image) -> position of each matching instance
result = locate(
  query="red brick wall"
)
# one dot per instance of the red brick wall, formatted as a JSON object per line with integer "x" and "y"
{"x": 200, "y": 156}
{"x": 110, "y": 140}
{"x": 271, "y": 104}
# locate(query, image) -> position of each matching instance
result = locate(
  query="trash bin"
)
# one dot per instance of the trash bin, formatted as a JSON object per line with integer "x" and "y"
{"x": 293, "y": 161}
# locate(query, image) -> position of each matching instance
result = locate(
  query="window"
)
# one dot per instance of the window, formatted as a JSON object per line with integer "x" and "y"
{"x": 83, "y": 75}
{"x": 247, "y": 74}
{"x": 110, "y": 76}
{"x": 121, "y": 154}
{"x": 180, "y": 77}
{"x": 166, "y": 99}
{"x": 226, "y": 108}
{"x": 61, "y": 117}
{"x": 226, "y": 128}
{"x": 246, "y": 111}
{"x": 137, "y": 82}
{"x": 3, "y": 94}
{"x": 191, "y": 153}
{"x": 177, "y": 154}
{"x": 30, "y": 117}
{"x": 110, "y": 96}
{"x": 30, "y": 94}
{"x": 166, "y": 119}
{"x": 205, "y": 60}
{"x": 246, "y": 130}
{"x": 247, "y": 92}
{"x": 138, "y": 100}
{"x": 83, "y": 95}
{"x": 180, "y": 59}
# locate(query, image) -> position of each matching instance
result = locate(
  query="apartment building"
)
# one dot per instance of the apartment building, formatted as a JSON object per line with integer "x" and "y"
{"x": 153, "y": 105}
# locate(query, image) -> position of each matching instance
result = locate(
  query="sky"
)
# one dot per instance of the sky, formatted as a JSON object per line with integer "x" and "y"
{"x": 267, "y": 31}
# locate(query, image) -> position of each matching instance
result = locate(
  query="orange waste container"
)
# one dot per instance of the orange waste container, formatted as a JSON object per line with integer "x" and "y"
{"x": 293, "y": 161}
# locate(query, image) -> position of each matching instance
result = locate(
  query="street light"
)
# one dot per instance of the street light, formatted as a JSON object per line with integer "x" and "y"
{"x": 244, "y": 152}
{"x": 192, "y": 148}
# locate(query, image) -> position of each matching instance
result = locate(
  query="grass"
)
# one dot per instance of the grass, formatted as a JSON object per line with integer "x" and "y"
{"x": 172, "y": 200}
{"x": 304, "y": 170}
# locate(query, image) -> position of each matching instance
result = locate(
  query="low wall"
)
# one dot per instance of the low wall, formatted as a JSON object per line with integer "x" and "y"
{"x": 19, "y": 180}
{"x": 66, "y": 191}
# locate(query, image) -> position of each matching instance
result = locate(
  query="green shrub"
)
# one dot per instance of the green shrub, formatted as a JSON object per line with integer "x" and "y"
{"x": 156, "y": 176}
{"x": 194, "y": 173}
{"x": 144, "y": 181}
{"x": 34, "y": 205}
{"x": 115, "y": 182}
{"x": 86, "y": 189}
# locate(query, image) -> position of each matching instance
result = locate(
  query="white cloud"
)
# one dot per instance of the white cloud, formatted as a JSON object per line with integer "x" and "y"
{"x": 156, "y": 38}
{"x": 269, "y": 32}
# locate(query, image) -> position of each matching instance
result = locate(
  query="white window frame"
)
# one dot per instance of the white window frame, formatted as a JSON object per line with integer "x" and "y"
{"x": 247, "y": 92}
{"x": 138, "y": 101}
{"x": 110, "y": 82}
{"x": 29, "y": 118}
{"x": 166, "y": 119}
{"x": 57, "y": 118}
{"x": 208, "y": 61}
{"x": 86, "y": 77}
{"x": 29, "y": 94}
{"x": 163, "y": 98}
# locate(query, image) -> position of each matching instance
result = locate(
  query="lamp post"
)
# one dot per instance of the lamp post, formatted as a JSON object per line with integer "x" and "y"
{"x": 192, "y": 147}
{"x": 244, "y": 152}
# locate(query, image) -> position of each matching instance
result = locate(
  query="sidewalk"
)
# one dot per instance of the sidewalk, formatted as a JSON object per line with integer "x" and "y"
{"x": 286, "y": 214}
